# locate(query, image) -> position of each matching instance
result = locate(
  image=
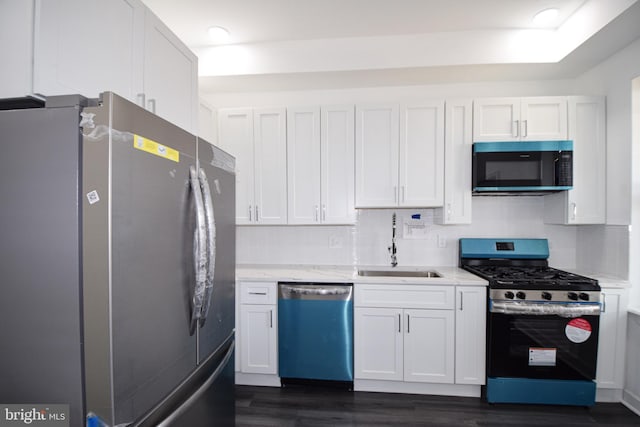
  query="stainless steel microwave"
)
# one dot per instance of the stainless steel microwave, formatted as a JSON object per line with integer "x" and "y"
{"x": 526, "y": 167}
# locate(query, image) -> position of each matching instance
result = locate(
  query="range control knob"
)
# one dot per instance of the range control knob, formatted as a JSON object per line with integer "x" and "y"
{"x": 521, "y": 295}
{"x": 509, "y": 295}
{"x": 584, "y": 296}
{"x": 572, "y": 296}
{"x": 546, "y": 295}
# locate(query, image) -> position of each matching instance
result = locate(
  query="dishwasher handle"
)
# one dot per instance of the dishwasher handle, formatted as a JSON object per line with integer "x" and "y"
{"x": 316, "y": 291}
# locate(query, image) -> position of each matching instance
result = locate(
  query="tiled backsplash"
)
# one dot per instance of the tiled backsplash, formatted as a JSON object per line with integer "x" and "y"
{"x": 366, "y": 242}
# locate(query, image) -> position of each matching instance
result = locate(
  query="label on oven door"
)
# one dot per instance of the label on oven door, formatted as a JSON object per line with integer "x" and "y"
{"x": 578, "y": 330}
{"x": 542, "y": 356}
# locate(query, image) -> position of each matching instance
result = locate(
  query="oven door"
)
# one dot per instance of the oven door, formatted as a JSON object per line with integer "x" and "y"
{"x": 546, "y": 346}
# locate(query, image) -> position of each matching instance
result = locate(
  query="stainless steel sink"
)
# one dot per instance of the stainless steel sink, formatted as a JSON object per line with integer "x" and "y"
{"x": 398, "y": 273}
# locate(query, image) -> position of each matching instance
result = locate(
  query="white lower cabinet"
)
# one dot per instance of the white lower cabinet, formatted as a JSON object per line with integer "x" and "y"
{"x": 420, "y": 334}
{"x": 258, "y": 329}
{"x": 471, "y": 318}
{"x": 404, "y": 345}
{"x": 611, "y": 343}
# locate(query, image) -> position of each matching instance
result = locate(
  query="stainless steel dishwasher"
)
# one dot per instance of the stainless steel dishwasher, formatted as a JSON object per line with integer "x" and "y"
{"x": 315, "y": 332}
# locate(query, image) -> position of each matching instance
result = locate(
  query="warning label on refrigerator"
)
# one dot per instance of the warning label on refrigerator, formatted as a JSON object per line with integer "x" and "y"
{"x": 150, "y": 146}
{"x": 578, "y": 330}
{"x": 542, "y": 356}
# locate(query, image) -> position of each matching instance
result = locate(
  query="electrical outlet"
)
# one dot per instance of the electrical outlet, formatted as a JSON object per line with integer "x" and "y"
{"x": 442, "y": 241}
{"x": 335, "y": 242}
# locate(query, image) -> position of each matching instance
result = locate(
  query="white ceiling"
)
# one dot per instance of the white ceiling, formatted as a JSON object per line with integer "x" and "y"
{"x": 304, "y": 44}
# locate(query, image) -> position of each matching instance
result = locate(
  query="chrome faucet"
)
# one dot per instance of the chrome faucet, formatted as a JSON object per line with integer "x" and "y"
{"x": 393, "y": 249}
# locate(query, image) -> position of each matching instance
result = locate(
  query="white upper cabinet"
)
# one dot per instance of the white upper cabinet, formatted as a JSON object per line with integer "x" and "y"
{"x": 257, "y": 139}
{"x": 303, "y": 165}
{"x": 377, "y": 151}
{"x": 421, "y": 172}
{"x": 74, "y": 55}
{"x": 337, "y": 162}
{"x": 170, "y": 80}
{"x": 457, "y": 164}
{"x": 270, "y": 162}
{"x": 93, "y": 46}
{"x": 320, "y": 162}
{"x": 520, "y": 119}
{"x": 585, "y": 203}
{"x": 400, "y": 155}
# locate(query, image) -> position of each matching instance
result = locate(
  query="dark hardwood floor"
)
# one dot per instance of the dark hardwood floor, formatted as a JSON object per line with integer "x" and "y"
{"x": 320, "y": 406}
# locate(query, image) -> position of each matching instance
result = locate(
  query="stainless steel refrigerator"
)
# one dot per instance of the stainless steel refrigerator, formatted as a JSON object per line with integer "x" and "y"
{"x": 117, "y": 265}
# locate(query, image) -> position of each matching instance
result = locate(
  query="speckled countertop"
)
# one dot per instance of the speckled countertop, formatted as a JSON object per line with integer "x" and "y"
{"x": 322, "y": 273}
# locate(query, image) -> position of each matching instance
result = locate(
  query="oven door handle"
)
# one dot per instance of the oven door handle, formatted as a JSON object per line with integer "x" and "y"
{"x": 544, "y": 309}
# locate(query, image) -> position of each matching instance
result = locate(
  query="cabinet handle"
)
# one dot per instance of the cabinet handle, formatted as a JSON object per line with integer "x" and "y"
{"x": 324, "y": 213}
{"x": 461, "y": 301}
{"x": 408, "y": 324}
{"x": 574, "y": 210}
{"x": 603, "y": 307}
{"x": 399, "y": 324}
{"x": 257, "y": 293}
{"x": 525, "y": 129}
{"x": 317, "y": 214}
{"x": 250, "y": 211}
{"x": 141, "y": 99}
{"x": 257, "y": 214}
{"x": 271, "y": 319}
{"x": 515, "y": 128}
{"x": 152, "y": 105}
{"x": 449, "y": 211}
{"x": 403, "y": 195}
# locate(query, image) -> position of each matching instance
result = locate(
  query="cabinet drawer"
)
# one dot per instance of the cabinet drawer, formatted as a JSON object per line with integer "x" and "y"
{"x": 258, "y": 293}
{"x": 405, "y": 296}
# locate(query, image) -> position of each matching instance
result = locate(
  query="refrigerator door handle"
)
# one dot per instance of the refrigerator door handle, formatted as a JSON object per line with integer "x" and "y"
{"x": 199, "y": 250}
{"x": 211, "y": 244}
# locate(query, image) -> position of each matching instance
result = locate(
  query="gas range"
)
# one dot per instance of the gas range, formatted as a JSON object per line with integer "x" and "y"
{"x": 518, "y": 270}
{"x": 542, "y": 324}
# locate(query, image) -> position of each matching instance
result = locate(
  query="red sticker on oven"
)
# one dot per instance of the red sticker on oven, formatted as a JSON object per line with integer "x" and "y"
{"x": 578, "y": 330}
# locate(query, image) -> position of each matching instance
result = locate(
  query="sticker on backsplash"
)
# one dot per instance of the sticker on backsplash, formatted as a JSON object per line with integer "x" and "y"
{"x": 416, "y": 226}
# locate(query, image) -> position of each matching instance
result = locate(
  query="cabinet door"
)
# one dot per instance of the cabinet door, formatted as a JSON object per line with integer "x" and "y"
{"x": 337, "y": 154}
{"x": 378, "y": 343}
{"x": 612, "y": 339}
{"x": 16, "y": 25}
{"x": 377, "y": 140}
{"x": 471, "y": 318}
{"x": 543, "y": 118}
{"x": 587, "y": 200}
{"x": 303, "y": 165}
{"x": 170, "y": 77}
{"x": 258, "y": 339}
{"x": 421, "y": 173}
{"x": 88, "y": 46}
{"x": 585, "y": 203}
{"x": 429, "y": 346}
{"x": 235, "y": 135}
{"x": 270, "y": 162}
{"x": 496, "y": 119}
{"x": 457, "y": 164}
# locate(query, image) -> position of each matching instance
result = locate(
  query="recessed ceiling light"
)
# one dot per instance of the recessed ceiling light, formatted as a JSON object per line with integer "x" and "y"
{"x": 545, "y": 17}
{"x": 218, "y": 34}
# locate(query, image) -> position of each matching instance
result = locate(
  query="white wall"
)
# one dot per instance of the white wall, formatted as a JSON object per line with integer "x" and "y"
{"x": 607, "y": 246}
{"x": 366, "y": 242}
